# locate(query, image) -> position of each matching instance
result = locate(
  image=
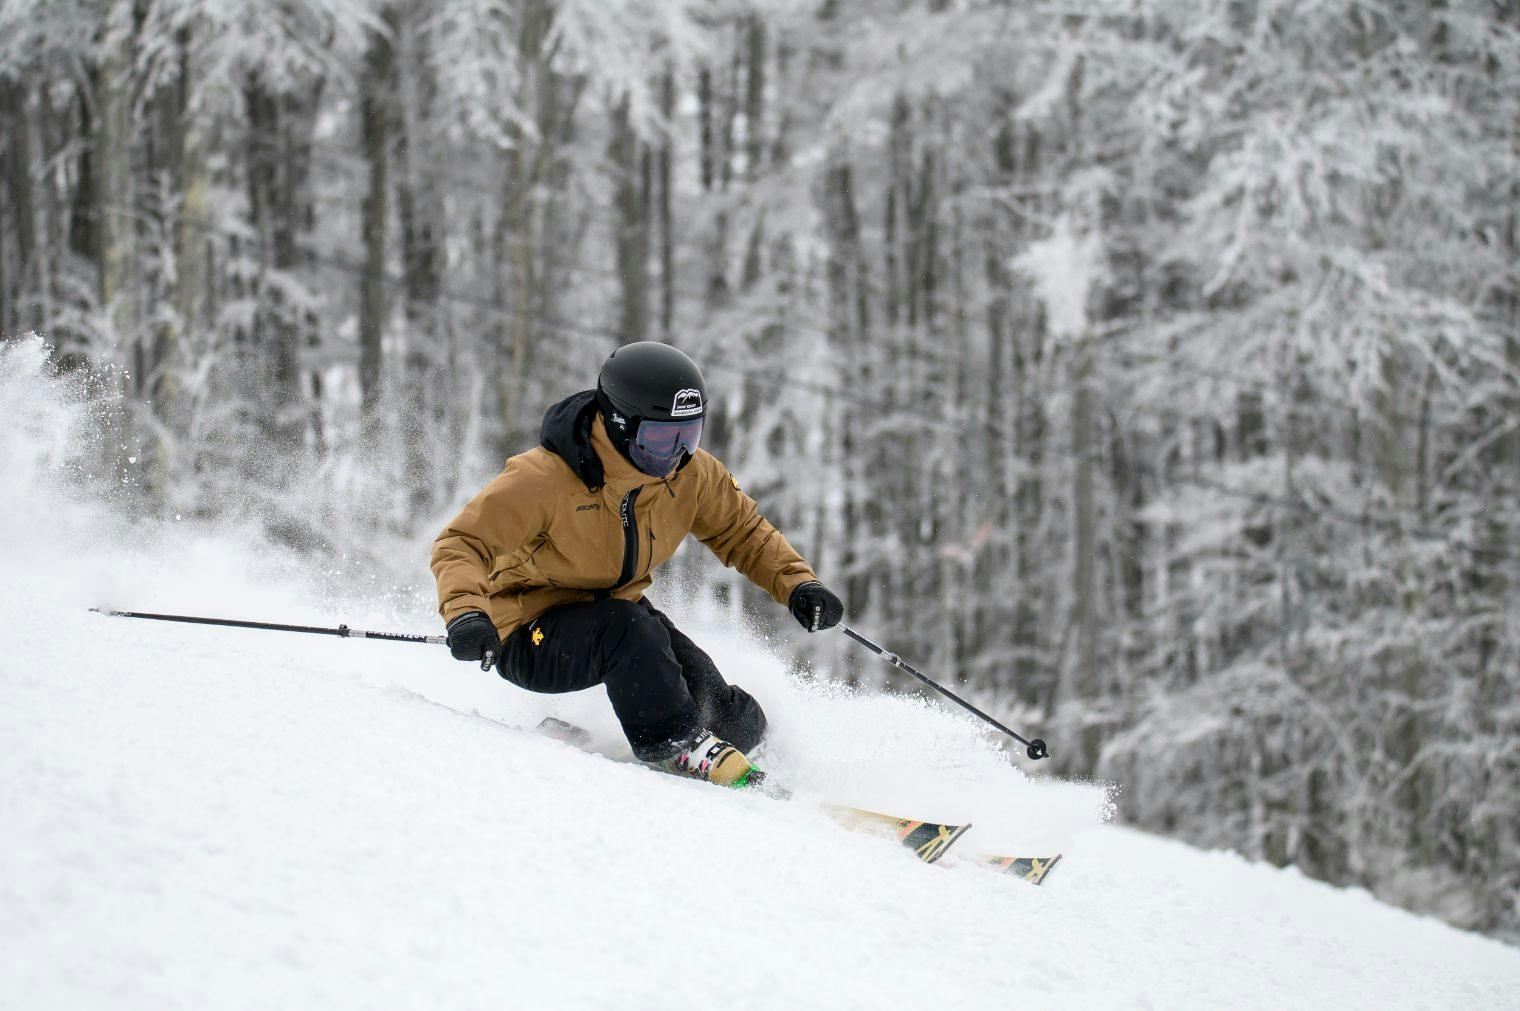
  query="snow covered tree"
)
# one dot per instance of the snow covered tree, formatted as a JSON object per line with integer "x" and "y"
{"x": 1150, "y": 367}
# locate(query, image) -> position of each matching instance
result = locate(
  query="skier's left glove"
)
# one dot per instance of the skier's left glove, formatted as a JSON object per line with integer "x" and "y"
{"x": 815, "y": 607}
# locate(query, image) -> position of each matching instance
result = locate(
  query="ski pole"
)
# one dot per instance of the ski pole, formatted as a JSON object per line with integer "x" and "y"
{"x": 1036, "y": 748}
{"x": 343, "y": 631}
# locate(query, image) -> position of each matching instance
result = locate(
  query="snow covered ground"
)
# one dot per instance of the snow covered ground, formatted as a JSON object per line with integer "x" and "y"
{"x": 203, "y": 818}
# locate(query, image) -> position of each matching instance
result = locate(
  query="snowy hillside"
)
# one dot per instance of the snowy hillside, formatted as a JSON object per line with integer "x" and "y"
{"x": 205, "y": 818}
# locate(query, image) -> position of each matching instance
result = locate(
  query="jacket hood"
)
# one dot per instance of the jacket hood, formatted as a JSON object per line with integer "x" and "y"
{"x": 566, "y": 432}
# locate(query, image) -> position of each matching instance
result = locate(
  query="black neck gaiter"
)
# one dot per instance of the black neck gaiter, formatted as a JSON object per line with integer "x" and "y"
{"x": 618, "y": 427}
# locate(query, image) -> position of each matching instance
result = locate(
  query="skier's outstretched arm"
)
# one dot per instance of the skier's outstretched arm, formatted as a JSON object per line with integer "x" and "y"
{"x": 729, "y": 522}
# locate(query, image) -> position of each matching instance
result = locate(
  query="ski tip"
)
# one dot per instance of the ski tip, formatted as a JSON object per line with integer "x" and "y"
{"x": 929, "y": 841}
{"x": 1031, "y": 869}
{"x": 956, "y": 831}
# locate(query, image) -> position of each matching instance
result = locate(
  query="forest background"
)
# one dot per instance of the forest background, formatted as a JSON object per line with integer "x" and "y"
{"x": 1151, "y": 370}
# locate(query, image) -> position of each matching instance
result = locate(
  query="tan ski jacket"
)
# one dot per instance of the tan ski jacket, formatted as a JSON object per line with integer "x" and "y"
{"x": 574, "y": 520}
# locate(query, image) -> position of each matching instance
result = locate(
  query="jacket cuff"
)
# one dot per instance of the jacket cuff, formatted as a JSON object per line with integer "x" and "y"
{"x": 463, "y": 605}
{"x": 788, "y": 583}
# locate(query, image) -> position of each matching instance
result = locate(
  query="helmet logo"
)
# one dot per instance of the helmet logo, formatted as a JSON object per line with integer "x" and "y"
{"x": 686, "y": 404}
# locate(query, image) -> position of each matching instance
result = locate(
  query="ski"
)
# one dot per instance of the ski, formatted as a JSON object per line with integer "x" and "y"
{"x": 1031, "y": 869}
{"x": 926, "y": 840}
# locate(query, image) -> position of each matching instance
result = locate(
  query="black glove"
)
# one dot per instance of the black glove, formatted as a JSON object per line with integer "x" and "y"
{"x": 473, "y": 637}
{"x": 815, "y": 607}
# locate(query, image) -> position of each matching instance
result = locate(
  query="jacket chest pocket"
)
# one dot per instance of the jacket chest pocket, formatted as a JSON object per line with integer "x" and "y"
{"x": 585, "y": 553}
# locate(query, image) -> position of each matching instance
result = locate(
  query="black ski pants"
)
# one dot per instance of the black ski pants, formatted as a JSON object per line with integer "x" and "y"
{"x": 662, "y": 685}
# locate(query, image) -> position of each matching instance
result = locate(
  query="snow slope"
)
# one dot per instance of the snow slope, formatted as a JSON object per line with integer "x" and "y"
{"x": 199, "y": 818}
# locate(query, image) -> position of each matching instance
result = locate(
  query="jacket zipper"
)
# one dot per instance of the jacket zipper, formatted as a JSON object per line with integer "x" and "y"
{"x": 630, "y": 538}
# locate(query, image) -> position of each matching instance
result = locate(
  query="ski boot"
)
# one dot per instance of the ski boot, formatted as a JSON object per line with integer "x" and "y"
{"x": 707, "y": 757}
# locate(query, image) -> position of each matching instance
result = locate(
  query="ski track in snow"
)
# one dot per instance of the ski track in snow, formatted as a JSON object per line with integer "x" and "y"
{"x": 206, "y": 818}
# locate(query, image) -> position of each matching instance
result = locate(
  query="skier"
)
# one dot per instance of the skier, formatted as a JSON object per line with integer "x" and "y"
{"x": 545, "y": 570}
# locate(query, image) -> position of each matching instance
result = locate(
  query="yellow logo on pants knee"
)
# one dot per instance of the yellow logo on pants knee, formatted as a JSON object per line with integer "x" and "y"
{"x": 538, "y": 636}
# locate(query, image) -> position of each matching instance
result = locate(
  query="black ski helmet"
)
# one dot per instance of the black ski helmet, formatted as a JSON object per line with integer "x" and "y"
{"x": 653, "y": 399}
{"x": 651, "y": 381}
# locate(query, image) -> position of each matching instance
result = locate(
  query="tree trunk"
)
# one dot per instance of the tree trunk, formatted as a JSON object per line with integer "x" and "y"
{"x": 420, "y": 214}
{"x": 707, "y": 140}
{"x": 1083, "y": 686}
{"x": 754, "y": 98}
{"x": 717, "y": 118}
{"x": 5, "y": 286}
{"x": 632, "y": 227}
{"x": 375, "y": 118}
{"x": 84, "y": 221}
{"x": 925, "y": 243}
{"x": 56, "y": 219}
{"x": 279, "y": 152}
{"x": 113, "y": 170}
{"x": 193, "y": 235}
{"x": 843, "y": 277}
{"x": 1017, "y": 152}
{"x": 517, "y": 215}
{"x": 529, "y": 228}
{"x": 897, "y": 344}
{"x": 667, "y": 232}
{"x": 18, "y": 183}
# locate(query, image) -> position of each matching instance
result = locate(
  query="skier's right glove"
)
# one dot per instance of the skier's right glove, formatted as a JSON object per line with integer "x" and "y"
{"x": 472, "y": 636}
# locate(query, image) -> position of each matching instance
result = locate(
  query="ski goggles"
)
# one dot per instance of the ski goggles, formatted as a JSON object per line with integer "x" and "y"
{"x": 657, "y": 446}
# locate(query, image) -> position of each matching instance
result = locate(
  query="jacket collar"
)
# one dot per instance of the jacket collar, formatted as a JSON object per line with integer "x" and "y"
{"x": 573, "y": 431}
